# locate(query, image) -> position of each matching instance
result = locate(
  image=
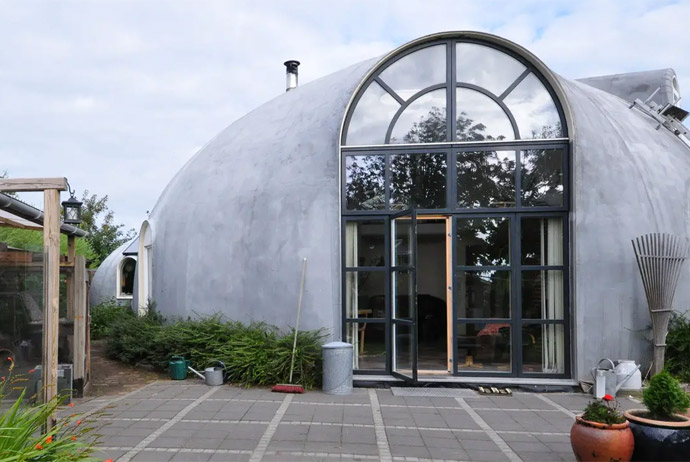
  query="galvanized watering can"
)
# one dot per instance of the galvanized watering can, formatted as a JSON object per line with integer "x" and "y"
{"x": 212, "y": 376}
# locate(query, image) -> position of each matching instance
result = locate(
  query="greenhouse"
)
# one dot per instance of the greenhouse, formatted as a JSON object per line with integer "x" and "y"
{"x": 465, "y": 212}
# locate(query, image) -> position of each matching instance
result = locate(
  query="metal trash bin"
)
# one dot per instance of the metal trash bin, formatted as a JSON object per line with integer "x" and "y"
{"x": 337, "y": 368}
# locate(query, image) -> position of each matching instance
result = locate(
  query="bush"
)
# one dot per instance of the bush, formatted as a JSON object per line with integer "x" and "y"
{"x": 21, "y": 438}
{"x": 678, "y": 347}
{"x": 664, "y": 397}
{"x": 254, "y": 354}
{"x": 105, "y": 315}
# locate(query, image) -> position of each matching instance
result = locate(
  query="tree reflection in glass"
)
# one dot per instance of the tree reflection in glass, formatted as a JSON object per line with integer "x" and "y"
{"x": 483, "y": 241}
{"x": 486, "y": 179}
{"x": 418, "y": 181}
{"x": 542, "y": 177}
{"x": 365, "y": 182}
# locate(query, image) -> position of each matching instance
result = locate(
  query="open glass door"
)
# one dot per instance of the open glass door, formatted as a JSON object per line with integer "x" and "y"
{"x": 404, "y": 294}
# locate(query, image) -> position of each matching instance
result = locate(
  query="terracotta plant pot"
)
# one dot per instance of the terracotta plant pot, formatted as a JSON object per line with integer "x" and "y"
{"x": 659, "y": 440}
{"x": 594, "y": 441}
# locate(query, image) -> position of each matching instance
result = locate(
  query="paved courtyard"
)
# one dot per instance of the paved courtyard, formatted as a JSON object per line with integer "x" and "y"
{"x": 188, "y": 421}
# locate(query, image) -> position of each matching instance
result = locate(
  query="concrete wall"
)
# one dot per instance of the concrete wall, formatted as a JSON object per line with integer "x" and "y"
{"x": 233, "y": 226}
{"x": 104, "y": 283}
{"x": 629, "y": 179}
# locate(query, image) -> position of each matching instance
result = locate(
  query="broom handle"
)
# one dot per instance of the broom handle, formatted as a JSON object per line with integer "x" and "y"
{"x": 299, "y": 309}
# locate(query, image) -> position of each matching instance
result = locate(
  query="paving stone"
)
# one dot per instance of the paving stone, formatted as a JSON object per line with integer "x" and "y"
{"x": 224, "y": 457}
{"x": 238, "y": 444}
{"x": 168, "y": 442}
{"x": 190, "y": 457}
{"x": 409, "y": 451}
{"x": 462, "y": 436}
{"x": 528, "y": 446}
{"x": 324, "y": 433}
{"x": 447, "y": 453}
{"x": 323, "y": 446}
{"x": 538, "y": 456}
{"x": 121, "y": 441}
{"x": 447, "y": 443}
{"x": 479, "y": 445}
{"x": 487, "y": 456}
{"x": 203, "y": 443}
{"x": 152, "y": 456}
{"x": 360, "y": 449}
{"x": 358, "y": 435}
{"x": 285, "y": 445}
{"x": 518, "y": 437}
{"x": 291, "y": 433}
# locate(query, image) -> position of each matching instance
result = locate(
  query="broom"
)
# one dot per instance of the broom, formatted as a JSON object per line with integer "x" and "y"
{"x": 290, "y": 387}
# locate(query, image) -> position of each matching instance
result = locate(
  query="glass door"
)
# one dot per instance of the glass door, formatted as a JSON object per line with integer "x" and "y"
{"x": 404, "y": 294}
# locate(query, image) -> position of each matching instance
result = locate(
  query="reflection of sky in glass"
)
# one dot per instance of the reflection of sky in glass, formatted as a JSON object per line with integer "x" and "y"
{"x": 481, "y": 109}
{"x": 371, "y": 117}
{"x": 534, "y": 110}
{"x": 417, "y": 71}
{"x": 421, "y": 112}
{"x": 486, "y": 67}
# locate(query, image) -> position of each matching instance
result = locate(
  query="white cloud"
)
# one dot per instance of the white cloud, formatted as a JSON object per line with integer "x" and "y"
{"x": 117, "y": 95}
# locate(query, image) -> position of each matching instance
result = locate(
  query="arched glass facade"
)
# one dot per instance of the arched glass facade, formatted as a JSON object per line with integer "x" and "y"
{"x": 455, "y": 216}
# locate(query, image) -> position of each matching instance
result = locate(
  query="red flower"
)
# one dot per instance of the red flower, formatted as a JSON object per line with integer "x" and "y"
{"x": 607, "y": 398}
{"x": 9, "y": 358}
{"x": 38, "y": 446}
{"x": 109, "y": 460}
{"x": 49, "y": 439}
{"x": 78, "y": 422}
{"x": 2, "y": 378}
{"x": 32, "y": 371}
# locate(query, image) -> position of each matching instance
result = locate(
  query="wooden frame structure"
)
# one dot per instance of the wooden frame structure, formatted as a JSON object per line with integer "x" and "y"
{"x": 77, "y": 277}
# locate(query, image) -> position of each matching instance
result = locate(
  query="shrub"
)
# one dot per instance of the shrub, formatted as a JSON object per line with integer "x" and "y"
{"x": 604, "y": 411}
{"x": 254, "y": 354}
{"x": 664, "y": 397}
{"x": 105, "y": 315}
{"x": 21, "y": 438}
{"x": 678, "y": 347}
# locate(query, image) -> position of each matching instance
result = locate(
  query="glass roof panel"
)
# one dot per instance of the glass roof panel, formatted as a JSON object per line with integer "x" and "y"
{"x": 423, "y": 121}
{"x": 486, "y": 67}
{"x": 371, "y": 117}
{"x": 479, "y": 118}
{"x": 534, "y": 110}
{"x": 416, "y": 71}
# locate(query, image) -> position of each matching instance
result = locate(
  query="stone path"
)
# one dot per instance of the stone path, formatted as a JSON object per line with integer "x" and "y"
{"x": 188, "y": 421}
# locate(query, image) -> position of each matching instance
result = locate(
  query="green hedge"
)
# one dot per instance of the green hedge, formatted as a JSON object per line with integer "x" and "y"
{"x": 677, "y": 360}
{"x": 254, "y": 354}
{"x": 106, "y": 314}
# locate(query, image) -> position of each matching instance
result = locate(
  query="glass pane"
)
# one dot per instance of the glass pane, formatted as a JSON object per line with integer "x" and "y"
{"x": 418, "y": 181}
{"x": 364, "y": 182}
{"x": 369, "y": 345}
{"x": 364, "y": 243}
{"x": 365, "y": 294}
{"x": 542, "y": 294}
{"x": 480, "y": 118}
{"x": 543, "y": 348}
{"x": 482, "y": 294}
{"x": 371, "y": 117}
{"x": 416, "y": 71}
{"x": 542, "y": 177}
{"x": 534, "y": 110}
{"x": 486, "y": 67}
{"x": 483, "y": 347}
{"x": 482, "y": 241}
{"x": 542, "y": 241}
{"x": 403, "y": 244}
{"x": 127, "y": 276}
{"x": 404, "y": 348}
{"x": 423, "y": 121}
{"x": 403, "y": 293}
{"x": 486, "y": 179}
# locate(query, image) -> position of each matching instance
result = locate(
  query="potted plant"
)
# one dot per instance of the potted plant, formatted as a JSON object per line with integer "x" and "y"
{"x": 661, "y": 432}
{"x": 601, "y": 433}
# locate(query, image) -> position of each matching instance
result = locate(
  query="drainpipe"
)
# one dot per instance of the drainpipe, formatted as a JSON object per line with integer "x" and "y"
{"x": 34, "y": 215}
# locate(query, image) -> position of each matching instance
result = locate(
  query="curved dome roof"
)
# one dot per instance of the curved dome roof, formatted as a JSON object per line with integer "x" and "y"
{"x": 231, "y": 228}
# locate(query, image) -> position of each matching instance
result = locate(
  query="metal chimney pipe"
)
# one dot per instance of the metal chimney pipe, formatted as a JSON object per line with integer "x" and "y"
{"x": 291, "y": 74}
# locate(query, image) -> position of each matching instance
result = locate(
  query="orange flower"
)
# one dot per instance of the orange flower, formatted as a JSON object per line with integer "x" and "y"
{"x": 38, "y": 446}
{"x": 78, "y": 422}
{"x": 9, "y": 358}
{"x": 32, "y": 371}
{"x": 49, "y": 439}
{"x": 109, "y": 460}
{"x": 607, "y": 397}
{"x": 2, "y": 378}
{"x": 74, "y": 438}
{"x": 71, "y": 404}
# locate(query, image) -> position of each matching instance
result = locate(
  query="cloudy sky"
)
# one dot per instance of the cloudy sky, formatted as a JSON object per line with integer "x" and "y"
{"x": 118, "y": 95}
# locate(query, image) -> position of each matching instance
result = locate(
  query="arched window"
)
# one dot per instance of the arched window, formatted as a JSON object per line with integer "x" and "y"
{"x": 125, "y": 278}
{"x": 467, "y": 131}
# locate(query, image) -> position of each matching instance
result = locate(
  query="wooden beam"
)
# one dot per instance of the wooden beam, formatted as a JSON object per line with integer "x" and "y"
{"x": 32, "y": 184}
{"x": 79, "y": 299}
{"x": 51, "y": 294}
{"x": 71, "y": 251}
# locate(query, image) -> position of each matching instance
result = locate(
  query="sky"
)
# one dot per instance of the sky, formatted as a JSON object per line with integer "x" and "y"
{"x": 118, "y": 95}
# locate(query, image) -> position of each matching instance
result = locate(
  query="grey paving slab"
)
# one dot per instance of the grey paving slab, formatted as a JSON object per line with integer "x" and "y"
{"x": 152, "y": 456}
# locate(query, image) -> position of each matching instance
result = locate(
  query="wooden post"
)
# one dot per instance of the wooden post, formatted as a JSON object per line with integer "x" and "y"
{"x": 79, "y": 298}
{"x": 51, "y": 294}
{"x": 71, "y": 250}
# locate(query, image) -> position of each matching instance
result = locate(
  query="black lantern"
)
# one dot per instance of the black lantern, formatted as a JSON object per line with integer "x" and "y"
{"x": 72, "y": 210}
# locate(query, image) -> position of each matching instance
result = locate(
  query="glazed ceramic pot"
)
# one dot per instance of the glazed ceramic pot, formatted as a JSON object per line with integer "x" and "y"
{"x": 659, "y": 440}
{"x": 594, "y": 441}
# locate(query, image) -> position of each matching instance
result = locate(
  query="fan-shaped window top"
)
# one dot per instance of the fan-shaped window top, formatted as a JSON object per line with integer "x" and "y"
{"x": 486, "y": 94}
